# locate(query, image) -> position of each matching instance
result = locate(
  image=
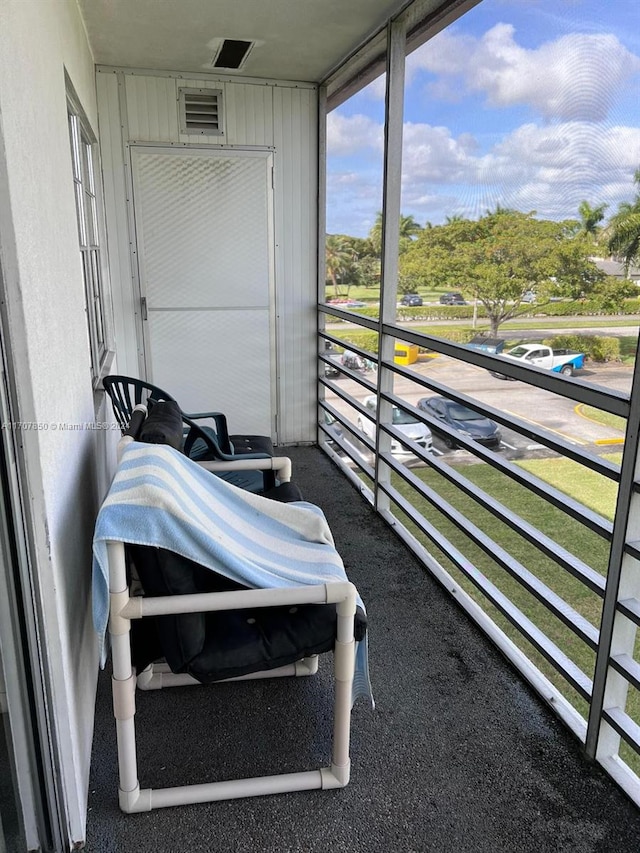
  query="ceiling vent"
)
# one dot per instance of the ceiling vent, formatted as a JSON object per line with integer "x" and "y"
{"x": 232, "y": 54}
{"x": 201, "y": 111}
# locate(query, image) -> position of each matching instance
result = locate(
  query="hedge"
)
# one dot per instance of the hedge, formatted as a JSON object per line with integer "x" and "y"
{"x": 368, "y": 341}
{"x": 594, "y": 347}
{"x": 581, "y": 307}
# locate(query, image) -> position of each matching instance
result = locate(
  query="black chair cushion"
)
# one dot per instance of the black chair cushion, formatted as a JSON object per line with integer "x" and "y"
{"x": 163, "y": 425}
{"x": 224, "y": 644}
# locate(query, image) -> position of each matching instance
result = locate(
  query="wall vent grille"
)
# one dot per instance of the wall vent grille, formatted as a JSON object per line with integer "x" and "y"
{"x": 201, "y": 112}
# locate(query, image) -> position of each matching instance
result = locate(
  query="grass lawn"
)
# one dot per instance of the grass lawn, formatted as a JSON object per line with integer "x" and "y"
{"x": 593, "y": 490}
{"x": 601, "y": 417}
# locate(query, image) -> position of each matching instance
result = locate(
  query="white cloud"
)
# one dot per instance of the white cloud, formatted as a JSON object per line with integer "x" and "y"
{"x": 433, "y": 154}
{"x": 549, "y": 169}
{"x": 552, "y": 169}
{"x": 350, "y": 134}
{"x": 573, "y": 78}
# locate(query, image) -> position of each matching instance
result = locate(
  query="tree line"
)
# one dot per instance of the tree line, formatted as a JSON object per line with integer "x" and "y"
{"x": 500, "y": 257}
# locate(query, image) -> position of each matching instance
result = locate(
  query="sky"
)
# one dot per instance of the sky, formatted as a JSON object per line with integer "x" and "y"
{"x": 527, "y": 104}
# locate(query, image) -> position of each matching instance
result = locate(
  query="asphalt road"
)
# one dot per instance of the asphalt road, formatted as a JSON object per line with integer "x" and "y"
{"x": 560, "y": 416}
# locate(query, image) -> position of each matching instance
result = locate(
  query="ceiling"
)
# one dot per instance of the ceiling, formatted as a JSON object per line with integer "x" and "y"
{"x": 295, "y": 39}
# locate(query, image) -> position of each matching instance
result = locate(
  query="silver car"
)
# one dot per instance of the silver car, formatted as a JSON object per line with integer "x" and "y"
{"x": 405, "y": 422}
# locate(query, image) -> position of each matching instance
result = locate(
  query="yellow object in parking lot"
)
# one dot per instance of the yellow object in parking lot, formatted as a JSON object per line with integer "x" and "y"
{"x": 405, "y": 353}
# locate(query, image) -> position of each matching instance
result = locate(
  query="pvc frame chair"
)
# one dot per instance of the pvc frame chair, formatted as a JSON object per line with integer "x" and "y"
{"x": 124, "y": 608}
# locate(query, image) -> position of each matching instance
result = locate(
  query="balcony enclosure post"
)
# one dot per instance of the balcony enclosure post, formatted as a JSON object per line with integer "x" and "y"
{"x": 322, "y": 236}
{"x": 391, "y": 198}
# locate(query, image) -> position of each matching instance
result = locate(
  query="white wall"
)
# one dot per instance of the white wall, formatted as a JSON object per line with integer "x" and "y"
{"x": 142, "y": 107}
{"x": 47, "y": 337}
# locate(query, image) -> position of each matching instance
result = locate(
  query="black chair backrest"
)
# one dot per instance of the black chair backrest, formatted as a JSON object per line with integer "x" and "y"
{"x": 126, "y": 392}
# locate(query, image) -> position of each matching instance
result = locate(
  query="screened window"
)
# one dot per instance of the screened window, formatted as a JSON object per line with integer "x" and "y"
{"x": 83, "y": 146}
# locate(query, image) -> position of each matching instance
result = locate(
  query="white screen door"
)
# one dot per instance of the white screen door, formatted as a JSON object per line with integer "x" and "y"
{"x": 205, "y": 258}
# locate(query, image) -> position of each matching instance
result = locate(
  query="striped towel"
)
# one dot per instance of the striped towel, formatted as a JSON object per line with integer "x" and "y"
{"x": 161, "y": 498}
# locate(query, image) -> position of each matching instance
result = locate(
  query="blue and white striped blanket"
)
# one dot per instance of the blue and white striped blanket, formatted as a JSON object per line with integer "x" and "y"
{"x": 159, "y": 497}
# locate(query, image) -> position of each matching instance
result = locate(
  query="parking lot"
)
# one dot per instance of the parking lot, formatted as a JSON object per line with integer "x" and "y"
{"x": 533, "y": 405}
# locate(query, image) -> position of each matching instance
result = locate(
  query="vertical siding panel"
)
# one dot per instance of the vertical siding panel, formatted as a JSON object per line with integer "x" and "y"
{"x": 296, "y": 199}
{"x": 149, "y": 90}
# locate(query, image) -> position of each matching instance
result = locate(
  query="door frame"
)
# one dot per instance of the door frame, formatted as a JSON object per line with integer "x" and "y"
{"x": 265, "y": 153}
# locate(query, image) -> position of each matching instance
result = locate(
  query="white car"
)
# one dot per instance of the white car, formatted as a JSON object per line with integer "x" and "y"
{"x": 405, "y": 422}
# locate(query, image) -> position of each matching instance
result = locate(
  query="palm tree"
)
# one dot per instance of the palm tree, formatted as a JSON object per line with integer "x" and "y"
{"x": 409, "y": 228}
{"x": 590, "y": 219}
{"x": 623, "y": 231}
{"x": 338, "y": 256}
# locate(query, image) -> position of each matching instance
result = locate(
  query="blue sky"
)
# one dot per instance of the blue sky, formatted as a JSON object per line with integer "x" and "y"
{"x": 530, "y": 104}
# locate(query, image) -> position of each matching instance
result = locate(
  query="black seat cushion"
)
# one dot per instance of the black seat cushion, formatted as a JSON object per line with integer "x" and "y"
{"x": 163, "y": 425}
{"x": 224, "y": 644}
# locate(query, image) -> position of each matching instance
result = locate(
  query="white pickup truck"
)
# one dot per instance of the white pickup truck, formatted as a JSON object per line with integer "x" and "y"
{"x": 558, "y": 360}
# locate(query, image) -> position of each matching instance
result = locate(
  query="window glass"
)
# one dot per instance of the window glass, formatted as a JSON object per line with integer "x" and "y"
{"x": 82, "y": 157}
{"x": 355, "y": 146}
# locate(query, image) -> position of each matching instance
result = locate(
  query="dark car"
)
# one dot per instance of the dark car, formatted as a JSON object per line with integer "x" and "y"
{"x": 461, "y": 418}
{"x": 411, "y": 299}
{"x": 331, "y": 371}
{"x": 452, "y": 298}
{"x": 334, "y": 428}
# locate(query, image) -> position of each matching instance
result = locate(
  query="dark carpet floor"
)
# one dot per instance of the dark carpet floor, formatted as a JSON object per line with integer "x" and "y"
{"x": 458, "y": 755}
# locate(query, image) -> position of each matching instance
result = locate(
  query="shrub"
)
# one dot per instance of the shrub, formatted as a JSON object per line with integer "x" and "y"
{"x": 605, "y": 349}
{"x": 594, "y": 347}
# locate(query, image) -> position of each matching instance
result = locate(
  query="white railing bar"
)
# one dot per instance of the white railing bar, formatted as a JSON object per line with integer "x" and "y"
{"x": 546, "y": 596}
{"x": 630, "y": 607}
{"x": 624, "y": 725}
{"x": 628, "y": 668}
{"x": 558, "y": 659}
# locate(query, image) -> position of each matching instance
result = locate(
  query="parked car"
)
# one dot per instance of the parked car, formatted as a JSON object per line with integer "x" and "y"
{"x": 356, "y": 362}
{"x": 485, "y": 343}
{"x": 452, "y": 298}
{"x": 331, "y": 371}
{"x": 461, "y": 418}
{"x": 334, "y": 428}
{"x": 411, "y": 299}
{"x": 529, "y": 296}
{"x": 406, "y": 423}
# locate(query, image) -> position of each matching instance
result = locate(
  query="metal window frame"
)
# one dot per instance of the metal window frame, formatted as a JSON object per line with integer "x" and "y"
{"x": 89, "y": 212}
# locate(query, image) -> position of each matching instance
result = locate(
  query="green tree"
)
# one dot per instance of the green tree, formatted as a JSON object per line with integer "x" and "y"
{"x": 500, "y": 257}
{"x": 339, "y": 257}
{"x": 623, "y": 230}
{"x": 409, "y": 228}
{"x": 367, "y": 269}
{"x": 590, "y": 219}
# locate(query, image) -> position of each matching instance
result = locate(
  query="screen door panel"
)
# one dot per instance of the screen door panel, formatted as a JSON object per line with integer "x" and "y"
{"x": 234, "y": 375}
{"x": 204, "y": 259}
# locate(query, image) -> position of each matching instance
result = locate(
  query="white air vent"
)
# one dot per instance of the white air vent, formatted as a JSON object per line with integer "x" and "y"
{"x": 201, "y": 111}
